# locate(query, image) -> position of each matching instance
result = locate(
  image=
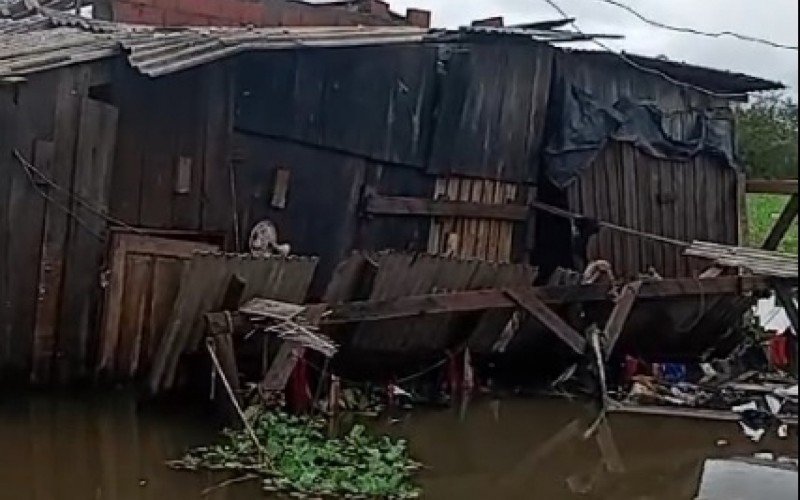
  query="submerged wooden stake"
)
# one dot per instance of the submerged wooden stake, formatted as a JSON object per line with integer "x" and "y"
{"x": 218, "y": 367}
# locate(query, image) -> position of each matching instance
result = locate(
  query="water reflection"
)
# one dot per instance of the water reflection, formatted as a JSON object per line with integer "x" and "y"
{"x": 108, "y": 448}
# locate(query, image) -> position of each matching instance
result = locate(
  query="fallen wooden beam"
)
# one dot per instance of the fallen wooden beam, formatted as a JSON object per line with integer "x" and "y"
{"x": 424, "y": 207}
{"x": 478, "y": 300}
{"x": 695, "y": 413}
{"x": 771, "y": 186}
{"x": 782, "y": 225}
{"x": 528, "y": 300}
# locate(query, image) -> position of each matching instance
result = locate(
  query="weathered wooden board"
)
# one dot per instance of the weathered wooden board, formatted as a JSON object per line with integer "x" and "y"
{"x": 202, "y": 288}
{"x": 695, "y": 199}
{"x": 83, "y": 253}
{"x": 143, "y": 283}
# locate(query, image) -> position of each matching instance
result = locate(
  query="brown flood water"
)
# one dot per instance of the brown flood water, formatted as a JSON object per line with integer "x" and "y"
{"x": 103, "y": 447}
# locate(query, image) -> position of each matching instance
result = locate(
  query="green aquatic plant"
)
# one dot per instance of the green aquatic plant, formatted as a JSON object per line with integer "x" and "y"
{"x": 295, "y": 456}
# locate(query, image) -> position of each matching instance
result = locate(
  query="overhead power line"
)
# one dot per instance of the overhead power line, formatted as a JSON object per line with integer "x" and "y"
{"x": 641, "y": 67}
{"x": 683, "y": 29}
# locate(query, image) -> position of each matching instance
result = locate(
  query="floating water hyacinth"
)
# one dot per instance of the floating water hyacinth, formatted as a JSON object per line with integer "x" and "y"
{"x": 298, "y": 458}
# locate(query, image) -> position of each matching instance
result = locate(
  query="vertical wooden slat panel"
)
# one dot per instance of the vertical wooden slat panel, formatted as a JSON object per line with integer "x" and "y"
{"x": 690, "y": 210}
{"x": 602, "y": 208}
{"x": 507, "y": 227}
{"x": 615, "y": 199}
{"x": 741, "y": 209}
{"x": 450, "y": 224}
{"x": 435, "y": 233}
{"x": 679, "y": 214}
{"x": 72, "y": 88}
{"x": 44, "y": 339}
{"x": 645, "y": 211}
{"x": 477, "y": 196}
{"x": 630, "y": 194}
{"x": 655, "y": 210}
{"x": 494, "y": 230}
{"x": 484, "y": 228}
{"x": 97, "y": 131}
{"x": 466, "y": 242}
{"x": 216, "y": 200}
{"x": 710, "y": 201}
{"x": 667, "y": 201}
{"x": 731, "y": 207}
{"x": 135, "y": 312}
{"x": 164, "y": 289}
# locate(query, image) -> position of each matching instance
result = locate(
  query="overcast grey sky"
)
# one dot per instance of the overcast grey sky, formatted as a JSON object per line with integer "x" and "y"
{"x": 772, "y": 19}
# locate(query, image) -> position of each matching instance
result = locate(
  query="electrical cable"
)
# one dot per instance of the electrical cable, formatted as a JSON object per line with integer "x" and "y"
{"x": 693, "y": 31}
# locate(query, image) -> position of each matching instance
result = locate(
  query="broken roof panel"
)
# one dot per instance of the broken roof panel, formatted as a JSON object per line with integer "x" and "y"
{"x": 50, "y": 38}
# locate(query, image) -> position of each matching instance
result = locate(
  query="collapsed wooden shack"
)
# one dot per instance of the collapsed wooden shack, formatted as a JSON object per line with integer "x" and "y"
{"x": 127, "y": 150}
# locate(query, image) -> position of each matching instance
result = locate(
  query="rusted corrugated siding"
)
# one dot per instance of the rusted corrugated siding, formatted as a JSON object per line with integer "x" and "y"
{"x": 691, "y": 200}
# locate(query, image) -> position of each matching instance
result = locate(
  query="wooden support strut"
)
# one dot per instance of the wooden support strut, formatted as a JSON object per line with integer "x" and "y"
{"x": 528, "y": 300}
{"x": 478, "y": 300}
{"x": 782, "y": 224}
{"x": 409, "y": 206}
{"x": 619, "y": 315}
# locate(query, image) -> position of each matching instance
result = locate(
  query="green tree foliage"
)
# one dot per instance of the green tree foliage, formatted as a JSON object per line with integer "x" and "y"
{"x": 767, "y": 130}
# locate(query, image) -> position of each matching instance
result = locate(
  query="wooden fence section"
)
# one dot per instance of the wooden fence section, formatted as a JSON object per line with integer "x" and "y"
{"x": 771, "y": 186}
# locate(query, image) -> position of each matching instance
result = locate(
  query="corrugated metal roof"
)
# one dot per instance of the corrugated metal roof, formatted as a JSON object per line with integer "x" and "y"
{"x": 53, "y": 39}
{"x": 48, "y": 38}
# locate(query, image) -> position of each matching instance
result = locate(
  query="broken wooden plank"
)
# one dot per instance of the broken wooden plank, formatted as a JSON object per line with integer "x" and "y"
{"x": 782, "y": 224}
{"x": 410, "y": 206}
{"x": 685, "y": 412}
{"x": 771, "y": 186}
{"x": 477, "y": 300}
{"x": 282, "y": 366}
{"x": 273, "y": 309}
{"x": 619, "y": 315}
{"x": 528, "y": 300}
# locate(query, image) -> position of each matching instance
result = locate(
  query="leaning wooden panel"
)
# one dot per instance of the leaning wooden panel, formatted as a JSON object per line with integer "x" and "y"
{"x": 123, "y": 245}
{"x": 202, "y": 288}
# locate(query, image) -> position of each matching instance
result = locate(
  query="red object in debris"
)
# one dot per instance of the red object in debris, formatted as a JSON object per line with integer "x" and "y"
{"x": 631, "y": 368}
{"x": 779, "y": 351}
{"x": 298, "y": 395}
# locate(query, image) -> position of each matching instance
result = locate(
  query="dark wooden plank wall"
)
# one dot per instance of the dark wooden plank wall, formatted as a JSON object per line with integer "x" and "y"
{"x": 320, "y": 215}
{"x": 182, "y": 118}
{"x": 491, "y": 111}
{"x": 374, "y": 102}
{"x": 26, "y": 115}
{"x": 45, "y": 254}
{"x": 688, "y": 200}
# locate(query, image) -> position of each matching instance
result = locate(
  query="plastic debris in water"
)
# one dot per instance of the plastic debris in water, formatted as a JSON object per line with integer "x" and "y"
{"x": 755, "y": 435}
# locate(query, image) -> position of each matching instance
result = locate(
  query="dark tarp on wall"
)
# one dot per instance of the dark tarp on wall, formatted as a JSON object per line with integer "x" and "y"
{"x": 582, "y": 125}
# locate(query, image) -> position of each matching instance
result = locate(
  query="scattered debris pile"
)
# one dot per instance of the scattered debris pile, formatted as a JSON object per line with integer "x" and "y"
{"x": 293, "y": 455}
{"x": 759, "y": 396}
